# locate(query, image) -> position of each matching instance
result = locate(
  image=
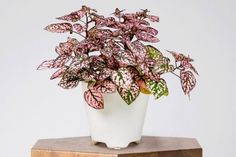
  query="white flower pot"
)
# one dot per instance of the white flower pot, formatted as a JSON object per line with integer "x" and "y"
{"x": 118, "y": 124}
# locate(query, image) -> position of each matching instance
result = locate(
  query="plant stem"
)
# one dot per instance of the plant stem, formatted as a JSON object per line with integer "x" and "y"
{"x": 175, "y": 74}
{"x": 79, "y": 34}
{"x": 86, "y": 23}
{"x": 82, "y": 22}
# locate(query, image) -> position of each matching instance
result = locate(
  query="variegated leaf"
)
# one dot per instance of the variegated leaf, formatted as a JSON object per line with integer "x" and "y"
{"x": 109, "y": 48}
{"x": 153, "y": 75}
{"x": 94, "y": 99}
{"x": 80, "y": 61}
{"x": 106, "y": 87}
{"x": 59, "y": 27}
{"x": 66, "y": 48}
{"x": 163, "y": 68}
{"x": 133, "y": 71}
{"x": 148, "y": 72}
{"x": 149, "y": 30}
{"x": 125, "y": 58}
{"x": 144, "y": 22}
{"x": 154, "y": 53}
{"x": 146, "y": 37}
{"x": 112, "y": 63}
{"x": 110, "y": 22}
{"x": 54, "y": 63}
{"x": 129, "y": 94}
{"x": 188, "y": 81}
{"x": 122, "y": 78}
{"x": 69, "y": 80}
{"x": 46, "y": 65}
{"x": 179, "y": 56}
{"x": 158, "y": 89}
{"x": 58, "y": 73}
{"x": 86, "y": 75}
{"x": 138, "y": 49}
{"x": 79, "y": 28}
{"x": 62, "y": 49}
{"x": 153, "y": 18}
{"x": 102, "y": 34}
{"x": 105, "y": 73}
{"x": 72, "y": 17}
{"x": 60, "y": 61}
{"x": 185, "y": 64}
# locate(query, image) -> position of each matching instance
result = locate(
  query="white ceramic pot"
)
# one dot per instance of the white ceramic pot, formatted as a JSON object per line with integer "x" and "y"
{"x": 118, "y": 124}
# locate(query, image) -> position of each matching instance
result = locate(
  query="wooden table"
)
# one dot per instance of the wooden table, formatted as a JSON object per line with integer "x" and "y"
{"x": 149, "y": 147}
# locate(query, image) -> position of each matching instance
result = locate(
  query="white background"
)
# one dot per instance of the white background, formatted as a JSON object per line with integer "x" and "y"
{"x": 32, "y": 107}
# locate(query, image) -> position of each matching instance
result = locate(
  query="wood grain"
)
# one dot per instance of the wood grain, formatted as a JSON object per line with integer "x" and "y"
{"x": 149, "y": 147}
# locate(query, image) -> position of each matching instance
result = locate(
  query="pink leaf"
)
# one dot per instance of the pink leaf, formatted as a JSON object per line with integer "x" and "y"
{"x": 184, "y": 61}
{"x": 79, "y": 28}
{"x": 146, "y": 37}
{"x": 129, "y": 16}
{"x": 73, "y": 17}
{"x": 110, "y": 22}
{"x": 151, "y": 30}
{"x": 80, "y": 61}
{"x": 98, "y": 19}
{"x": 144, "y": 22}
{"x": 106, "y": 87}
{"x": 179, "y": 56}
{"x": 59, "y": 27}
{"x": 112, "y": 63}
{"x": 153, "y": 18}
{"x": 69, "y": 80}
{"x": 60, "y": 61}
{"x": 188, "y": 81}
{"x": 58, "y": 73}
{"x": 148, "y": 72}
{"x": 133, "y": 71}
{"x": 86, "y": 75}
{"x": 105, "y": 73}
{"x": 94, "y": 99}
{"x": 109, "y": 48}
{"x": 46, "y": 65}
{"x": 138, "y": 49}
{"x": 66, "y": 48}
{"x": 125, "y": 58}
{"x": 103, "y": 34}
{"x": 55, "y": 63}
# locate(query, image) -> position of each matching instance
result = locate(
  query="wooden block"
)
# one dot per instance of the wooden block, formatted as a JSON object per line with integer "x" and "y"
{"x": 149, "y": 147}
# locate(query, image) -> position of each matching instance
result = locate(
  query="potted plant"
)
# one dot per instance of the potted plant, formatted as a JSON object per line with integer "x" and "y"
{"x": 118, "y": 68}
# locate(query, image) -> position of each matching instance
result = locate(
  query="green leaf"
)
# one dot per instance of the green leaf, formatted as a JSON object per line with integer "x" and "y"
{"x": 163, "y": 66}
{"x": 122, "y": 78}
{"x": 130, "y": 94}
{"x": 153, "y": 53}
{"x": 158, "y": 89}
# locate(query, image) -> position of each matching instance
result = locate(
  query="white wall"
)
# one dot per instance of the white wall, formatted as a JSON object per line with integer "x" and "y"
{"x": 33, "y": 107}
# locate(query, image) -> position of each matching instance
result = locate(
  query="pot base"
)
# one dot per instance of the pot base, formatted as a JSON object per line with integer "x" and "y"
{"x": 112, "y": 147}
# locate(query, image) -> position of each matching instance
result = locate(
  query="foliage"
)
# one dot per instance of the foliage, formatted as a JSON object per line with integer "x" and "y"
{"x": 124, "y": 62}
